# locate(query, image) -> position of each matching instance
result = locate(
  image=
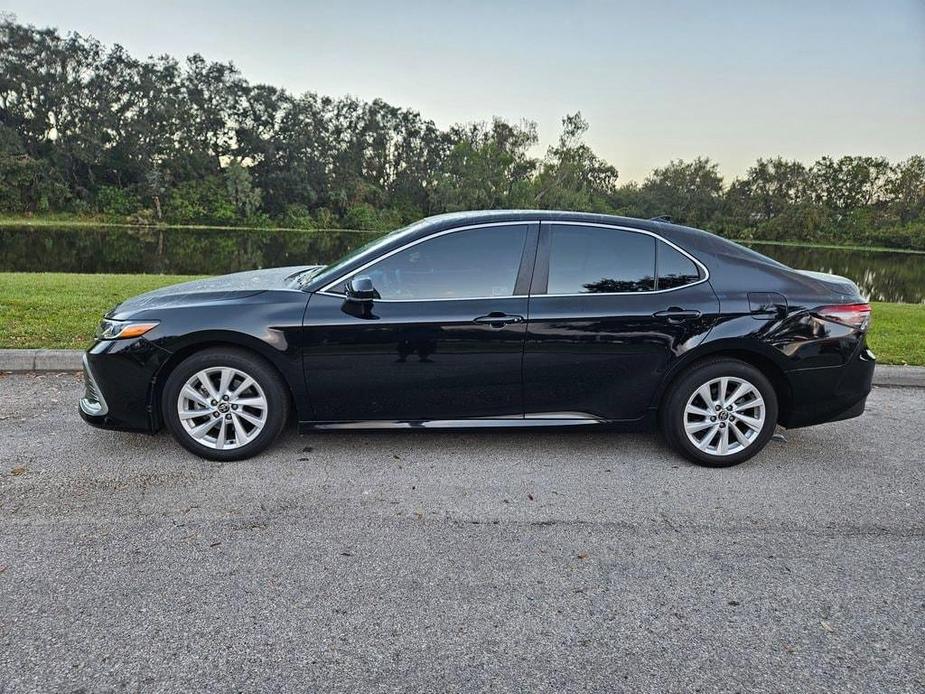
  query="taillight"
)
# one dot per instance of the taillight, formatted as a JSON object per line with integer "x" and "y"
{"x": 853, "y": 315}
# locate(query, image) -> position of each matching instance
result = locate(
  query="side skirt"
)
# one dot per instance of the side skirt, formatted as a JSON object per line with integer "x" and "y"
{"x": 546, "y": 419}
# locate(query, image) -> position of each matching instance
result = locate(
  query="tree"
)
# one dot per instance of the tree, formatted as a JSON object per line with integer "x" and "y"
{"x": 849, "y": 182}
{"x": 572, "y": 176}
{"x": 487, "y": 167}
{"x": 243, "y": 194}
{"x": 770, "y": 187}
{"x": 905, "y": 189}
{"x": 689, "y": 192}
{"x": 88, "y": 127}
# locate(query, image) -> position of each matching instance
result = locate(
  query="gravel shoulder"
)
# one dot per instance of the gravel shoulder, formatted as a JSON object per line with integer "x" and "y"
{"x": 460, "y": 561}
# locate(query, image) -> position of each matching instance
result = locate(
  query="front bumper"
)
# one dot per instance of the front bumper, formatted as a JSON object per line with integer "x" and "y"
{"x": 93, "y": 403}
{"x": 119, "y": 378}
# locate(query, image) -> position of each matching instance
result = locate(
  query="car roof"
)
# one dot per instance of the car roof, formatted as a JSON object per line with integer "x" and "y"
{"x": 676, "y": 233}
{"x": 451, "y": 219}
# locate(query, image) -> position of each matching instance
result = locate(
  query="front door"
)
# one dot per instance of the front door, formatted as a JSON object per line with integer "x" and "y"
{"x": 610, "y": 309}
{"x": 444, "y": 340}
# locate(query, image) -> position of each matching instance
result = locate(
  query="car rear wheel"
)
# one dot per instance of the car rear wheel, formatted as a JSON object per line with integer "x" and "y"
{"x": 225, "y": 404}
{"x": 720, "y": 413}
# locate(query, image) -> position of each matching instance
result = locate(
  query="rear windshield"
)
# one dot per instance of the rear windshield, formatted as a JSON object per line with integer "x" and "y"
{"x": 750, "y": 253}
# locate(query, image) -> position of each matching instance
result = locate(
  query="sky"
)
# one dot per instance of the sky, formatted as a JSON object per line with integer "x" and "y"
{"x": 656, "y": 79}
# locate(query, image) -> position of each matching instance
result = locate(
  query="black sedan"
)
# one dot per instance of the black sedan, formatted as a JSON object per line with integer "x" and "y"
{"x": 493, "y": 319}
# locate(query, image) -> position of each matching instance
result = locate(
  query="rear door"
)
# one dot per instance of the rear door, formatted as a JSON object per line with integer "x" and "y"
{"x": 610, "y": 309}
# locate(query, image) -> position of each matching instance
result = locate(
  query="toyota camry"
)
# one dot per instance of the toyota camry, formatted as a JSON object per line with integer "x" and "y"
{"x": 493, "y": 319}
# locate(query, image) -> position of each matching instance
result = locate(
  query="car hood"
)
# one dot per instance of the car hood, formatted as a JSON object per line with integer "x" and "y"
{"x": 210, "y": 290}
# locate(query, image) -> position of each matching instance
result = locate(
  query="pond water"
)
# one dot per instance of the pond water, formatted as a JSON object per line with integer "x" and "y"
{"x": 881, "y": 275}
{"x": 169, "y": 251}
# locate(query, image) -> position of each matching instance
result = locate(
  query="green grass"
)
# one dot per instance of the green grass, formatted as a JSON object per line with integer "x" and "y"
{"x": 897, "y": 333}
{"x": 62, "y": 310}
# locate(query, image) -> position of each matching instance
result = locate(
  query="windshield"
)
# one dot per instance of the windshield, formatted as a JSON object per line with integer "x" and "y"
{"x": 334, "y": 270}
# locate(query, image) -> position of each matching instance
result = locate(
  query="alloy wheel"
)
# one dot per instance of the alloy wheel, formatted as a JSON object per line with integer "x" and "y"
{"x": 222, "y": 408}
{"x": 724, "y": 416}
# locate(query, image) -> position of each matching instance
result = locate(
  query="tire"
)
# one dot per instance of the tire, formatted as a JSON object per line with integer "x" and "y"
{"x": 747, "y": 426}
{"x": 245, "y": 422}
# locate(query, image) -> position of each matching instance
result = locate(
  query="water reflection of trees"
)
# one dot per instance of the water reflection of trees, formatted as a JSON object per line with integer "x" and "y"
{"x": 607, "y": 285}
{"x": 172, "y": 251}
{"x": 880, "y": 275}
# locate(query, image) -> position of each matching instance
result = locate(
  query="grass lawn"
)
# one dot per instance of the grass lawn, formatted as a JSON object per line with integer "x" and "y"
{"x": 62, "y": 310}
{"x": 897, "y": 333}
{"x": 58, "y": 309}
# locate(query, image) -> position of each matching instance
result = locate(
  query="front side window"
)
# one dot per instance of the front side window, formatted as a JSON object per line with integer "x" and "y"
{"x": 465, "y": 264}
{"x": 593, "y": 260}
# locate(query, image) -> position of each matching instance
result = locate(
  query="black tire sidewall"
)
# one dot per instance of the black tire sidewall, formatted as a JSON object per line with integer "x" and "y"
{"x": 257, "y": 368}
{"x": 673, "y": 413}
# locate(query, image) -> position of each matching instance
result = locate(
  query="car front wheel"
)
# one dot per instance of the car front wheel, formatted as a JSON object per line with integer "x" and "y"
{"x": 225, "y": 404}
{"x": 720, "y": 413}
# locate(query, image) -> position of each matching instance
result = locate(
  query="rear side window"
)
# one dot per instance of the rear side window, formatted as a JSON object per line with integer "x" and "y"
{"x": 674, "y": 268}
{"x": 594, "y": 260}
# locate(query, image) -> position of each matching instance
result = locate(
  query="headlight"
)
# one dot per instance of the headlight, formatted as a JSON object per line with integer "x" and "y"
{"x": 120, "y": 329}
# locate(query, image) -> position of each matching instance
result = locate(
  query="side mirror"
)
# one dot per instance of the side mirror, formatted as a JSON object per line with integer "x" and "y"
{"x": 361, "y": 289}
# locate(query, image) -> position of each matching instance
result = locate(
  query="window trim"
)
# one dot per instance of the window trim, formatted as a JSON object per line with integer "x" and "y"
{"x": 541, "y": 262}
{"x": 543, "y": 256}
{"x": 530, "y": 238}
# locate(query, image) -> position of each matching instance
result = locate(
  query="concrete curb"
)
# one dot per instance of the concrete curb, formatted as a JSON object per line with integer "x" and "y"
{"x": 33, "y": 360}
{"x": 19, "y": 360}
{"x": 908, "y": 376}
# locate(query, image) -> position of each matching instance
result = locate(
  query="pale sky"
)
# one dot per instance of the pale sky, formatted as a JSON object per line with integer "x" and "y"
{"x": 656, "y": 79}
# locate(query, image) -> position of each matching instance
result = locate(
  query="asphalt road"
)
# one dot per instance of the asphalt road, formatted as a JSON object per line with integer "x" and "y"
{"x": 429, "y": 561}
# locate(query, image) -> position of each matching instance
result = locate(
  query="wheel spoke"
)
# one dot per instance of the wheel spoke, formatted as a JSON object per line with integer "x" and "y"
{"x": 704, "y": 392}
{"x": 240, "y": 436}
{"x": 738, "y": 393}
{"x": 694, "y": 427}
{"x": 705, "y": 441}
{"x": 740, "y": 437}
{"x": 259, "y": 403}
{"x": 724, "y": 440}
{"x": 243, "y": 386}
{"x": 225, "y": 381}
{"x": 220, "y": 439}
{"x": 750, "y": 422}
{"x": 201, "y": 430}
{"x": 751, "y": 404}
{"x": 723, "y": 387}
{"x": 194, "y": 395}
{"x": 248, "y": 417}
{"x": 206, "y": 382}
{"x": 193, "y": 414}
{"x": 693, "y": 409}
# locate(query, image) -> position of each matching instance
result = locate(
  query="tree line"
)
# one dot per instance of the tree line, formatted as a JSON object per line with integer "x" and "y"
{"x": 88, "y": 129}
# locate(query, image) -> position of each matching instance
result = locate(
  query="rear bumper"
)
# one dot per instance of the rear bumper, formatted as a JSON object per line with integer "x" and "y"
{"x": 830, "y": 394}
{"x": 118, "y": 385}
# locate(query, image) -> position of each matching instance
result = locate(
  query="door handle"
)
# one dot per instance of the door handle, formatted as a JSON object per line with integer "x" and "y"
{"x": 496, "y": 319}
{"x": 675, "y": 314}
